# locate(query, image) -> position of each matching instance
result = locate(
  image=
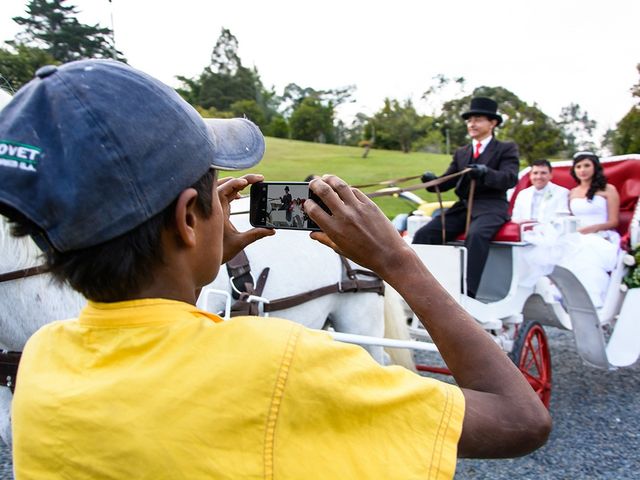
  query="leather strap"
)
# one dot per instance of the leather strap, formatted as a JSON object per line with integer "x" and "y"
{"x": 243, "y": 306}
{"x": 396, "y": 190}
{"x": 375, "y": 286}
{"x": 472, "y": 190}
{"x": 9, "y": 368}
{"x": 442, "y": 215}
{"x": 24, "y": 273}
{"x": 239, "y": 272}
{"x": 350, "y": 283}
{"x": 393, "y": 181}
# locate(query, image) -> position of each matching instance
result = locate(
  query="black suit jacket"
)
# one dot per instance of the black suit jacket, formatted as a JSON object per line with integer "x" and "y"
{"x": 491, "y": 192}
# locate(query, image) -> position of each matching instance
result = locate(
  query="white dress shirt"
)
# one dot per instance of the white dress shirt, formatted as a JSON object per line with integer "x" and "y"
{"x": 483, "y": 144}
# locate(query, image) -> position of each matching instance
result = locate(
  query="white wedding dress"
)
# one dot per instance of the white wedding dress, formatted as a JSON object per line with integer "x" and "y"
{"x": 590, "y": 257}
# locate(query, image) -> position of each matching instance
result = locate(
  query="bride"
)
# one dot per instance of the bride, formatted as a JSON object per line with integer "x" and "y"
{"x": 593, "y": 252}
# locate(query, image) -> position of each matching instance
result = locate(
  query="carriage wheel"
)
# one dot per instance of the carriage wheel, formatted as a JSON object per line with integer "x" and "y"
{"x": 531, "y": 355}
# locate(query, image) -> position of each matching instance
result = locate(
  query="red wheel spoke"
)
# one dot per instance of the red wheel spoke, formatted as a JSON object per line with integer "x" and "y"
{"x": 534, "y": 352}
{"x": 532, "y": 357}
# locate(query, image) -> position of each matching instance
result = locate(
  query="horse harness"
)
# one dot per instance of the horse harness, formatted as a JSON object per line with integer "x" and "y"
{"x": 9, "y": 360}
{"x": 248, "y": 295}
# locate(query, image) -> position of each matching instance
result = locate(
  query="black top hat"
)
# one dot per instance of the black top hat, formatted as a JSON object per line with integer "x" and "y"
{"x": 483, "y": 106}
{"x": 286, "y": 188}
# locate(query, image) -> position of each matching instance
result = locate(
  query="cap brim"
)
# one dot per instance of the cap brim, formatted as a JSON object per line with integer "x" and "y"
{"x": 238, "y": 143}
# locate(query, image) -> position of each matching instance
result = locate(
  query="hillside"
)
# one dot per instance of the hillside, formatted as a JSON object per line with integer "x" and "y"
{"x": 293, "y": 160}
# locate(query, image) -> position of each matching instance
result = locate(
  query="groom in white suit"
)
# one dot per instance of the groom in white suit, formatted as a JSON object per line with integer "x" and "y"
{"x": 543, "y": 200}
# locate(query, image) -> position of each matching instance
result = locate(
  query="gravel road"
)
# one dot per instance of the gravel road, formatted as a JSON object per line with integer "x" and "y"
{"x": 596, "y": 425}
{"x": 596, "y": 433}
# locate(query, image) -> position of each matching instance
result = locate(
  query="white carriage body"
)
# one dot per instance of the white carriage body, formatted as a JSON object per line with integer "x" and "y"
{"x": 502, "y": 304}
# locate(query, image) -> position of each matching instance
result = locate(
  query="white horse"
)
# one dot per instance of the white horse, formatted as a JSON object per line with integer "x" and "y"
{"x": 26, "y": 304}
{"x": 297, "y": 264}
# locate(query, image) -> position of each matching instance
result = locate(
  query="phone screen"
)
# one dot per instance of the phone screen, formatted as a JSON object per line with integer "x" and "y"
{"x": 281, "y": 205}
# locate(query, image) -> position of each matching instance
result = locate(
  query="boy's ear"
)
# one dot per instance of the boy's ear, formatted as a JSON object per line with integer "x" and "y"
{"x": 185, "y": 216}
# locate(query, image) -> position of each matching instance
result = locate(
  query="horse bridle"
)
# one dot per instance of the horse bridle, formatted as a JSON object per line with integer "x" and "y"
{"x": 247, "y": 294}
{"x": 23, "y": 273}
{"x": 9, "y": 361}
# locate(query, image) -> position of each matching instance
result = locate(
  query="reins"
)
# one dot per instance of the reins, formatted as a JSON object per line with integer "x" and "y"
{"x": 24, "y": 273}
{"x": 9, "y": 360}
{"x": 432, "y": 183}
{"x": 392, "y": 181}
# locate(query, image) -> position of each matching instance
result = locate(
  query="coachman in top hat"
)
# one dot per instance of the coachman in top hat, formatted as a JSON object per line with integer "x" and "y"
{"x": 494, "y": 165}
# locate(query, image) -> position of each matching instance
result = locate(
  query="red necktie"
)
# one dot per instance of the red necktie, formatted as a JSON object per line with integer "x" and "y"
{"x": 476, "y": 154}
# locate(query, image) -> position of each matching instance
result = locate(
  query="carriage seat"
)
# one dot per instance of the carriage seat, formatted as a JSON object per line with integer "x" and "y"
{"x": 622, "y": 171}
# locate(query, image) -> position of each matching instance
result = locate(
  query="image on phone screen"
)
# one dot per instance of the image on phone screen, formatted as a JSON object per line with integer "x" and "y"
{"x": 281, "y": 205}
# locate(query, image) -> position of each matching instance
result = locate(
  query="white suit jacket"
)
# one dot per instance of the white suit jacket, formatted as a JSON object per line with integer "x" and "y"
{"x": 554, "y": 201}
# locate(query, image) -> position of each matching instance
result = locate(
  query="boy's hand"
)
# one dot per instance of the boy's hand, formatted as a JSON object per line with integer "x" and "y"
{"x": 356, "y": 228}
{"x": 229, "y": 189}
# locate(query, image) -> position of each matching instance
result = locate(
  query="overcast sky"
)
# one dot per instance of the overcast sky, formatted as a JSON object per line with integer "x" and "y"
{"x": 552, "y": 52}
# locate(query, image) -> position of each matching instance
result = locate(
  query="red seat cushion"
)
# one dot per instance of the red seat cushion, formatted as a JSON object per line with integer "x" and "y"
{"x": 509, "y": 232}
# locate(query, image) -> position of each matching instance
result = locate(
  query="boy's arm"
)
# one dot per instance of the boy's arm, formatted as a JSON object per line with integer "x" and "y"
{"x": 503, "y": 415}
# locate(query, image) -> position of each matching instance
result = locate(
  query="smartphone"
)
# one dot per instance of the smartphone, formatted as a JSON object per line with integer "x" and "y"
{"x": 281, "y": 205}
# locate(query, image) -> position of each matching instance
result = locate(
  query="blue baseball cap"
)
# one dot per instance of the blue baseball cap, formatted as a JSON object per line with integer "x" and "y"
{"x": 91, "y": 149}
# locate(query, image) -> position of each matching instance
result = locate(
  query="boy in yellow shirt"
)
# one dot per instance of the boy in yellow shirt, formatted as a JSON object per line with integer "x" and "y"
{"x": 116, "y": 178}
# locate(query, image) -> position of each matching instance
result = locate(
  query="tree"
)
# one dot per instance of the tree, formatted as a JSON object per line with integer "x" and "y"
{"x": 277, "y": 127}
{"x": 293, "y": 95}
{"x": 577, "y": 128}
{"x": 312, "y": 121}
{"x": 225, "y": 82}
{"x": 441, "y": 83}
{"x": 18, "y": 65}
{"x": 536, "y": 134}
{"x": 635, "y": 90}
{"x": 224, "y": 57}
{"x": 626, "y": 138}
{"x": 397, "y": 125}
{"x": 248, "y": 109}
{"x": 53, "y": 27}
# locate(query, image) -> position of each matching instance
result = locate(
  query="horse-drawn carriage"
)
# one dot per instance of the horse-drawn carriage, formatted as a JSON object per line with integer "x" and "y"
{"x": 293, "y": 216}
{"x": 515, "y": 314}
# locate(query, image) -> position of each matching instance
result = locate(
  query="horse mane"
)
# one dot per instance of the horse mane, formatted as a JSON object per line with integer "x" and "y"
{"x": 16, "y": 252}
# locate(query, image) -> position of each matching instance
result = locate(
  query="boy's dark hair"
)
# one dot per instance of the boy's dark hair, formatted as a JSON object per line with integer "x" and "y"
{"x": 543, "y": 162}
{"x": 119, "y": 268}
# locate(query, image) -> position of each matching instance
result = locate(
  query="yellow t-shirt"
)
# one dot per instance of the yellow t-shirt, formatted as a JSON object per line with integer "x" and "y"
{"x": 154, "y": 389}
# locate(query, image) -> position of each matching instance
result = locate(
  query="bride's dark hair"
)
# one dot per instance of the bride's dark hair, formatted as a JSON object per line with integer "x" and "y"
{"x": 599, "y": 180}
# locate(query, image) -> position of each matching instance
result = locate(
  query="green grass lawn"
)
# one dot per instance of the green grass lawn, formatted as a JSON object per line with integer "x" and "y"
{"x": 292, "y": 160}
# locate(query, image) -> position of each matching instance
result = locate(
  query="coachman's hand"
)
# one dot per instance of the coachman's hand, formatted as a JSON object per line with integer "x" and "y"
{"x": 427, "y": 177}
{"x": 478, "y": 171}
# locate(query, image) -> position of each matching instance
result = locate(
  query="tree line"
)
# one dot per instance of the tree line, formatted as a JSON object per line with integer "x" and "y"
{"x": 226, "y": 88}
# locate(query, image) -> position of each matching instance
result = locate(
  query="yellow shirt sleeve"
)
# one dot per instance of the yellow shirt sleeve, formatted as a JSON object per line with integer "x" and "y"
{"x": 341, "y": 415}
